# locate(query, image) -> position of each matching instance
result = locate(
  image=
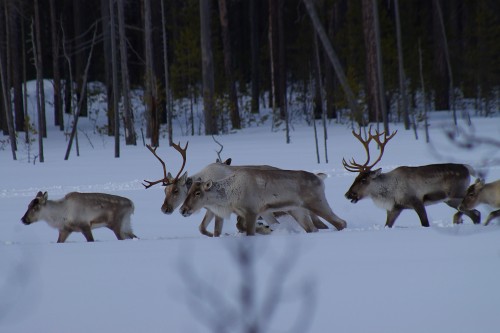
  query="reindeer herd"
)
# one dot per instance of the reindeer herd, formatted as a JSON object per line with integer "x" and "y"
{"x": 252, "y": 192}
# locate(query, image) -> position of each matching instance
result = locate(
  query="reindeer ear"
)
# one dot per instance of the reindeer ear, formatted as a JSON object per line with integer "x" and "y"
{"x": 169, "y": 176}
{"x": 207, "y": 185}
{"x": 182, "y": 180}
{"x": 480, "y": 181}
{"x": 45, "y": 196}
{"x": 376, "y": 173}
{"x": 189, "y": 182}
{"x": 228, "y": 161}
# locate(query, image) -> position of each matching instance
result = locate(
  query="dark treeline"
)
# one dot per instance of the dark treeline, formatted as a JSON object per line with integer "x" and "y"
{"x": 254, "y": 49}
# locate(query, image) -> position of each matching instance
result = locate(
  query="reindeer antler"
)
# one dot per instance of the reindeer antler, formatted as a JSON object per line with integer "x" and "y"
{"x": 353, "y": 166}
{"x": 183, "y": 154}
{"x": 165, "y": 180}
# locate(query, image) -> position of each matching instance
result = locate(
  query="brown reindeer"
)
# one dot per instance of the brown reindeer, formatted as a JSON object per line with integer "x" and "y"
{"x": 408, "y": 187}
{"x": 483, "y": 193}
{"x": 82, "y": 212}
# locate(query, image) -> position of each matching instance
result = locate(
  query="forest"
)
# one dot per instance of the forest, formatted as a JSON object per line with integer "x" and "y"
{"x": 362, "y": 60}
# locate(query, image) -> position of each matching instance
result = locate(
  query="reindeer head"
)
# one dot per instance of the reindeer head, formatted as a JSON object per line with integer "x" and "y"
{"x": 359, "y": 187}
{"x": 34, "y": 208}
{"x": 175, "y": 187}
{"x": 471, "y": 198}
{"x": 196, "y": 198}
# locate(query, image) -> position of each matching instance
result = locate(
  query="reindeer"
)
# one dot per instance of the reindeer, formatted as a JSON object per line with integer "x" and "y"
{"x": 176, "y": 189}
{"x": 249, "y": 193}
{"x": 486, "y": 193}
{"x": 82, "y": 212}
{"x": 408, "y": 187}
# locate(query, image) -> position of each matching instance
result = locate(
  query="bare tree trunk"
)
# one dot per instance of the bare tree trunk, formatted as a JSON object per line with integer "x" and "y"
{"x": 329, "y": 73}
{"x": 150, "y": 94}
{"x": 39, "y": 61}
{"x": 168, "y": 99}
{"x": 79, "y": 31}
{"x": 114, "y": 75}
{"x": 421, "y": 67}
{"x": 380, "y": 72}
{"x": 274, "y": 57}
{"x": 441, "y": 78}
{"x": 255, "y": 50}
{"x": 108, "y": 76}
{"x": 37, "y": 94}
{"x": 58, "y": 113}
{"x": 451, "y": 95}
{"x": 282, "y": 65}
{"x": 282, "y": 70}
{"x": 402, "y": 77}
{"x": 128, "y": 116}
{"x": 208, "y": 69}
{"x": 322, "y": 97}
{"x": 226, "y": 43}
{"x": 353, "y": 105}
{"x": 80, "y": 101}
{"x": 4, "y": 65}
{"x": 271, "y": 33}
{"x": 25, "y": 94}
{"x": 375, "y": 98}
{"x": 15, "y": 42}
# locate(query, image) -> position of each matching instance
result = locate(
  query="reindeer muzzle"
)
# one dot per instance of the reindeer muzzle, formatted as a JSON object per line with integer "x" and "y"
{"x": 167, "y": 209}
{"x": 25, "y": 221}
{"x": 353, "y": 197}
{"x": 185, "y": 211}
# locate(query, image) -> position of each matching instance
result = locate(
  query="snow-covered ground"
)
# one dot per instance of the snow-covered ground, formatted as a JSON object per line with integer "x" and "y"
{"x": 365, "y": 278}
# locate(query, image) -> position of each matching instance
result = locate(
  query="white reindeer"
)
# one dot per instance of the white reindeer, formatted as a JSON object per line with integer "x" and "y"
{"x": 483, "y": 193}
{"x": 249, "y": 193}
{"x": 176, "y": 189}
{"x": 82, "y": 212}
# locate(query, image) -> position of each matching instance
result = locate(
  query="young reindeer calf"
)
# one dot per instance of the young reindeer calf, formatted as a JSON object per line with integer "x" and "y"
{"x": 82, "y": 212}
{"x": 486, "y": 193}
{"x": 249, "y": 193}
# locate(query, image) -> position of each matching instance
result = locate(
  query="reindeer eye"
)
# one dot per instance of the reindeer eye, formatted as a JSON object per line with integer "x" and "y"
{"x": 197, "y": 193}
{"x": 364, "y": 180}
{"x": 175, "y": 191}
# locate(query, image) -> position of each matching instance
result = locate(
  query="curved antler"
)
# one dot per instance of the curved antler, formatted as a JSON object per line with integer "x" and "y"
{"x": 164, "y": 180}
{"x": 352, "y": 165}
{"x": 183, "y": 154}
{"x": 167, "y": 180}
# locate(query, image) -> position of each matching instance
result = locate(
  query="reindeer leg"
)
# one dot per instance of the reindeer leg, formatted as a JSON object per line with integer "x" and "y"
{"x": 240, "y": 224}
{"x": 322, "y": 209}
{"x": 492, "y": 216}
{"x": 63, "y": 235}
{"x": 422, "y": 214}
{"x": 302, "y": 218}
{"x": 87, "y": 233}
{"x": 474, "y": 214}
{"x": 392, "y": 215}
{"x": 250, "y": 221}
{"x": 116, "y": 230}
{"x": 219, "y": 223}
{"x": 317, "y": 222}
{"x": 269, "y": 218}
{"x": 205, "y": 222}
